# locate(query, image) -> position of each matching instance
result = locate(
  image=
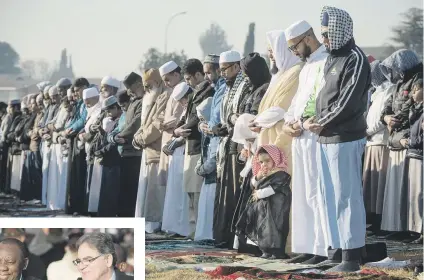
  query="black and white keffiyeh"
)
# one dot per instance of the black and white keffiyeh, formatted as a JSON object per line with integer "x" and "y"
{"x": 340, "y": 27}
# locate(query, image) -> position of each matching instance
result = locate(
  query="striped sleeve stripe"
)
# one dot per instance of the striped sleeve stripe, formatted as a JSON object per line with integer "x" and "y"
{"x": 348, "y": 92}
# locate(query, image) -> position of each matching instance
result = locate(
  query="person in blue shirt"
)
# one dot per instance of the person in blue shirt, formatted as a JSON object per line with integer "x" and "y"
{"x": 78, "y": 173}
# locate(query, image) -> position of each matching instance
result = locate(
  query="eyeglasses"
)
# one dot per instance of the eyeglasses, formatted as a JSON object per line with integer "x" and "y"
{"x": 325, "y": 35}
{"x": 77, "y": 262}
{"x": 294, "y": 47}
{"x": 222, "y": 70}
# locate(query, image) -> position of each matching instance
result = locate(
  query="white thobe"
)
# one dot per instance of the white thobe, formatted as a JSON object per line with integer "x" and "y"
{"x": 309, "y": 237}
{"x": 175, "y": 212}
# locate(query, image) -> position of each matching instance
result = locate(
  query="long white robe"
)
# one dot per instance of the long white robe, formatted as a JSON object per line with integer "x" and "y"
{"x": 175, "y": 213}
{"x": 15, "y": 179}
{"x": 308, "y": 237}
{"x": 148, "y": 172}
{"x": 45, "y": 169}
{"x": 56, "y": 191}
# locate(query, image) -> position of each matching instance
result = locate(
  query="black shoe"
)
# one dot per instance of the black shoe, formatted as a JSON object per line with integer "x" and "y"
{"x": 315, "y": 260}
{"x": 398, "y": 236}
{"x": 345, "y": 266}
{"x": 301, "y": 258}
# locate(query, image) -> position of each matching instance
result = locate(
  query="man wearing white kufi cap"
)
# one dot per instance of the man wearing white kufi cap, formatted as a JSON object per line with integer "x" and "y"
{"x": 157, "y": 126}
{"x": 94, "y": 117}
{"x": 48, "y": 113}
{"x": 58, "y": 166}
{"x": 176, "y": 208}
{"x": 228, "y": 169}
{"x": 308, "y": 238}
{"x": 109, "y": 86}
{"x": 171, "y": 74}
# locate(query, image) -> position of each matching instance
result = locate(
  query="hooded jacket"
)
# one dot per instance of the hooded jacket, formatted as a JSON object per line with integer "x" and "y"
{"x": 256, "y": 69}
{"x": 402, "y": 68}
{"x": 342, "y": 102}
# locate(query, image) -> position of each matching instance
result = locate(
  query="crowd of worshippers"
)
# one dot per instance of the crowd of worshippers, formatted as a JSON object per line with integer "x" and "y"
{"x": 66, "y": 254}
{"x": 219, "y": 150}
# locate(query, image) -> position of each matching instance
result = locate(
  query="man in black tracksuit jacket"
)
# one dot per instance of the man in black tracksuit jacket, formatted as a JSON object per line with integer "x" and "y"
{"x": 341, "y": 126}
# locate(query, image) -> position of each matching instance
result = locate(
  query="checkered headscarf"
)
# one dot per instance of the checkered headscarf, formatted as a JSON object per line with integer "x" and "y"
{"x": 279, "y": 158}
{"x": 398, "y": 63}
{"x": 377, "y": 77}
{"x": 340, "y": 27}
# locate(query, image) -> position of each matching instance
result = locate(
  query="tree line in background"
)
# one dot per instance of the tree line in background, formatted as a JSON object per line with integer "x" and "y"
{"x": 407, "y": 34}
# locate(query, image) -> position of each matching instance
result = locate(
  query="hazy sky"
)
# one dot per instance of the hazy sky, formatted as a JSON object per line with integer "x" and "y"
{"x": 109, "y": 37}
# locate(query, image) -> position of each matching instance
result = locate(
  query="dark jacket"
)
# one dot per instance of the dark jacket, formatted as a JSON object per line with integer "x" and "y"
{"x": 342, "y": 102}
{"x": 132, "y": 124}
{"x": 36, "y": 268}
{"x": 119, "y": 276}
{"x": 25, "y": 138}
{"x": 203, "y": 91}
{"x": 255, "y": 67}
{"x": 15, "y": 148}
{"x": 29, "y": 278}
{"x": 399, "y": 105}
{"x": 415, "y": 147}
{"x": 108, "y": 151}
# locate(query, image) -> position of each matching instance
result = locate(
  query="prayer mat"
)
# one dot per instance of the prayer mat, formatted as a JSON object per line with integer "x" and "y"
{"x": 166, "y": 255}
{"x": 173, "y": 245}
{"x": 197, "y": 259}
{"x": 231, "y": 273}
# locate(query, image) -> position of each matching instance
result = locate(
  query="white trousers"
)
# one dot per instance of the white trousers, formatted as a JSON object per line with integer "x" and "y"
{"x": 307, "y": 231}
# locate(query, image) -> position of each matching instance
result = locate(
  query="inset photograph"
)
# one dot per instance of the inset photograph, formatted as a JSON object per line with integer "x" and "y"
{"x": 66, "y": 254}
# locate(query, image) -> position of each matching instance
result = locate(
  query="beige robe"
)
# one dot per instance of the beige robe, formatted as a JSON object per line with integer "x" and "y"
{"x": 152, "y": 182}
{"x": 169, "y": 118}
{"x": 280, "y": 95}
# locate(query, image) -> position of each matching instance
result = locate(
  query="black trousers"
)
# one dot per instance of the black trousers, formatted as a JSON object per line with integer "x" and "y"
{"x": 130, "y": 171}
{"x": 77, "y": 180}
{"x": 108, "y": 200}
{"x": 32, "y": 176}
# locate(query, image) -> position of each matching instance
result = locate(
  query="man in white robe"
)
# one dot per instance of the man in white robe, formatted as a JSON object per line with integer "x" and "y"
{"x": 57, "y": 185}
{"x": 175, "y": 218}
{"x": 91, "y": 98}
{"x": 108, "y": 86}
{"x": 308, "y": 238}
